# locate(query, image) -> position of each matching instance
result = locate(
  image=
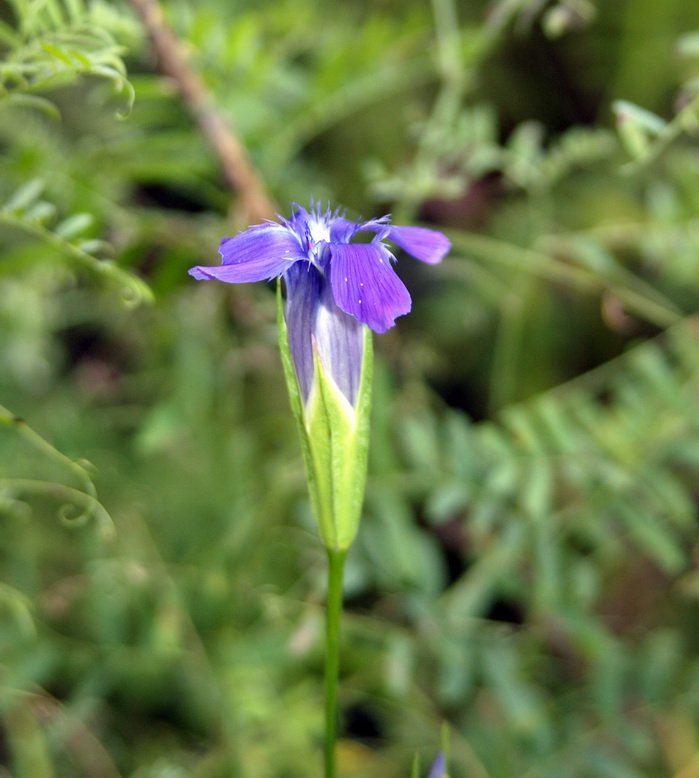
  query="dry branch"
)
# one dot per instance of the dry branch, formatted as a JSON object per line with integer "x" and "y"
{"x": 254, "y": 202}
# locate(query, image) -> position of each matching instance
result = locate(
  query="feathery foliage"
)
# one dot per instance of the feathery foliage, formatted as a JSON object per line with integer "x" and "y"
{"x": 52, "y": 43}
{"x": 524, "y": 571}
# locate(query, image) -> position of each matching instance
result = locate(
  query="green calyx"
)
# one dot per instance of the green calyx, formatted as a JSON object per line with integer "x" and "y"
{"x": 334, "y": 439}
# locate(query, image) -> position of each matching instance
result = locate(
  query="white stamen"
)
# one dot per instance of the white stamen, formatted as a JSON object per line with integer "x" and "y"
{"x": 319, "y": 229}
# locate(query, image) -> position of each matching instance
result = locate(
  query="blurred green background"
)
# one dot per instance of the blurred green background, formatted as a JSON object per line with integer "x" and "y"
{"x": 525, "y": 574}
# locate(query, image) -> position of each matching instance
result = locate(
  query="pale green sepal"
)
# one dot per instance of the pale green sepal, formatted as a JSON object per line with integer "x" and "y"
{"x": 338, "y": 438}
{"x": 334, "y": 440}
{"x": 287, "y": 363}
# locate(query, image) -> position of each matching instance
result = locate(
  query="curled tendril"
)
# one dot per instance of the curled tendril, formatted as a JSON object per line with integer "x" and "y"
{"x": 72, "y": 515}
{"x": 136, "y": 292}
{"x": 130, "y": 100}
{"x": 77, "y": 508}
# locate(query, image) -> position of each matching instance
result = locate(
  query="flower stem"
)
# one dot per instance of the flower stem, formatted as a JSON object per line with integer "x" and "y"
{"x": 336, "y": 564}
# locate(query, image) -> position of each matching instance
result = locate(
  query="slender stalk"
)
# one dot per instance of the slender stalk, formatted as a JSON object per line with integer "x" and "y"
{"x": 336, "y": 564}
{"x": 233, "y": 157}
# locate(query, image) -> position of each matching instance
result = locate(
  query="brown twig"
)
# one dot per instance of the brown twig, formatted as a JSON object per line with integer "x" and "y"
{"x": 254, "y": 204}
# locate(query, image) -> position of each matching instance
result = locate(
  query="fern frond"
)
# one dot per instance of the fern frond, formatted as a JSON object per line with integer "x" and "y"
{"x": 26, "y": 211}
{"x": 606, "y": 463}
{"x": 532, "y": 166}
{"x": 53, "y": 44}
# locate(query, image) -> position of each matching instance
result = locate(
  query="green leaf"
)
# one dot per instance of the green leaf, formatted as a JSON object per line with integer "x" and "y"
{"x": 74, "y": 225}
{"x": 25, "y": 196}
{"x": 653, "y": 537}
{"x": 95, "y": 246}
{"x": 637, "y": 126}
{"x": 59, "y": 54}
{"x": 34, "y": 101}
{"x": 40, "y": 212}
{"x": 83, "y": 60}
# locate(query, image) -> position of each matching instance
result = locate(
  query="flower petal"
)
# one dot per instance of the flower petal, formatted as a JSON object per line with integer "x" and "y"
{"x": 312, "y": 316}
{"x": 342, "y": 230}
{"x": 365, "y": 285}
{"x": 427, "y": 245}
{"x": 439, "y": 767}
{"x": 258, "y": 254}
{"x": 303, "y": 292}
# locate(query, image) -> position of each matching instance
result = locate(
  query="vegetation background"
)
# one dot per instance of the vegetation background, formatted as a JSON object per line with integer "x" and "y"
{"x": 526, "y": 568}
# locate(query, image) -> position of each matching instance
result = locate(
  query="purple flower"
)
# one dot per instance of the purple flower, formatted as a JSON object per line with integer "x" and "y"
{"x": 439, "y": 767}
{"x": 333, "y": 285}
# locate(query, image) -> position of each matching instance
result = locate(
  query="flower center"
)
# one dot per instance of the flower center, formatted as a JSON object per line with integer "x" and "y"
{"x": 318, "y": 233}
{"x": 319, "y": 229}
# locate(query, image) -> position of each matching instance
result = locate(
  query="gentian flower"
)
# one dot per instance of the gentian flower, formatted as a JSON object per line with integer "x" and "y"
{"x": 334, "y": 287}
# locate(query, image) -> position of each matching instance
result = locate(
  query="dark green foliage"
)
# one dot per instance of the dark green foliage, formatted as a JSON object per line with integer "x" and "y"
{"x": 524, "y": 572}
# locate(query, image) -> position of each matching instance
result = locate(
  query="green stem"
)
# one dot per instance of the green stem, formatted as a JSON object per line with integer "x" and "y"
{"x": 336, "y": 564}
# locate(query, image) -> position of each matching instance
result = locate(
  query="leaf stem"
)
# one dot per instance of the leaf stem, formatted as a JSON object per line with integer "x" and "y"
{"x": 336, "y": 564}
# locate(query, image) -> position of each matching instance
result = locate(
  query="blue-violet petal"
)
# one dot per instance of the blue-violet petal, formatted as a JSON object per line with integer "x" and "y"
{"x": 439, "y": 767}
{"x": 342, "y": 230}
{"x": 258, "y": 254}
{"x": 314, "y": 320}
{"x": 365, "y": 285}
{"x": 424, "y": 244}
